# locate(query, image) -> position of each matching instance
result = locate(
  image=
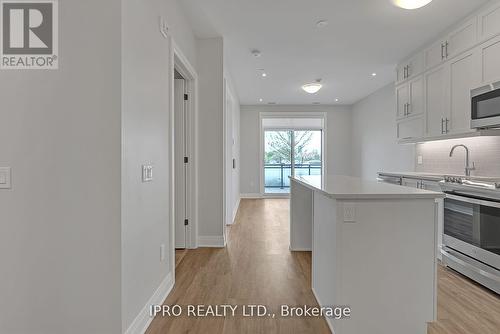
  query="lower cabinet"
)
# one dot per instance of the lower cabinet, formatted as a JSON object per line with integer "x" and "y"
{"x": 432, "y": 186}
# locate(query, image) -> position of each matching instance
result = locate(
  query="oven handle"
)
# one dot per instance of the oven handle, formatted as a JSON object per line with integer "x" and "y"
{"x": 473, "y": 201}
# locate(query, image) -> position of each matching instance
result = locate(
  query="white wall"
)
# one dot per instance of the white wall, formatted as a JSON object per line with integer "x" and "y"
{"x": 374, "y": 144}
{"x": 338, "y": 141}
{"x": 60, "y": 223}
{"x": 210, "y": 139}
{"x": 146, "y": 140}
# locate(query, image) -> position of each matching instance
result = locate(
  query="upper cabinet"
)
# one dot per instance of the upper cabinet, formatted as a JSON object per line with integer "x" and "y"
{"x": 489, "y": 22}
{"x": 489, "y": 68}
{"x": 410, "y": 98}
{"x": 410, "y": 68}
{"x": 433, "y": 87}
{"x": 461, "y": 39}
{"x": 458, "y": 40}
{"x": 463, "y": 76}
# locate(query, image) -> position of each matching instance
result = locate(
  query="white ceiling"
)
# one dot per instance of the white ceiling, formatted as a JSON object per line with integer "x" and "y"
{"x": 362, "y": 37}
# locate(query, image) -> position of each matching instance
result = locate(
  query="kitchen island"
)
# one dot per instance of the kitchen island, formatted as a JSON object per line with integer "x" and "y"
{"x": 373, "y": 249}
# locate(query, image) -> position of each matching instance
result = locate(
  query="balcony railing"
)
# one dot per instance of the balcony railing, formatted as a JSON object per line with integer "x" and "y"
{"x": 276, "y": 175}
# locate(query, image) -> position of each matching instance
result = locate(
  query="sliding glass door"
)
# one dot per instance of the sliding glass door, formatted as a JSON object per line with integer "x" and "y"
{"x": 290, "y": 152}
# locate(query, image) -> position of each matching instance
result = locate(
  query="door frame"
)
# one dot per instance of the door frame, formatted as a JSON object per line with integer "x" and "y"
{"x": 295, "y": 114}
{"x": 179, "y": 62}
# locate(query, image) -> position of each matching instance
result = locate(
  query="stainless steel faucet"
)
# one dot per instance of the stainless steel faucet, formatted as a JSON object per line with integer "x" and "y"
{"x": 468, "y": 168}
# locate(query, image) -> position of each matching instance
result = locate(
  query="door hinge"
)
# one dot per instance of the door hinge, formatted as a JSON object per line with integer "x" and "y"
{"x": 186, "y": 160}
{"x": 186, "y": 222}
{"x": 186, "y": 97}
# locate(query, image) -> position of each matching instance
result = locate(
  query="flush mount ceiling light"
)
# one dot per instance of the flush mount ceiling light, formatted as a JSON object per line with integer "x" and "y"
{"x": 411, "y": 4}
{"x": 256, "y": 53}
{"x": 321, "y": 23}
{"x": 313, "y": 88}
{"x": 260, "y": 100}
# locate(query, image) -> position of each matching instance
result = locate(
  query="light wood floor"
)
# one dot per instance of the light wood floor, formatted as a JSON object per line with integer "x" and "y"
{"x": 256, "y": 267}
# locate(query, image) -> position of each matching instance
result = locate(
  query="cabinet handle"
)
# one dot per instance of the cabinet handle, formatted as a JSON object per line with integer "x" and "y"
{"x": 404, "y": 72}
{"x": 442, "y": 51}
{"x": 442, "y": 125}
{"x": 408, "y": 71}
{"x": 447, "y": 122}
{"x": 408, "y": 109}
{"x": 446, "y": 47}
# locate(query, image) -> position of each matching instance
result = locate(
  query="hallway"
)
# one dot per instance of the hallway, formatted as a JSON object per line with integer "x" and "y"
{"x": 256, "y": 267}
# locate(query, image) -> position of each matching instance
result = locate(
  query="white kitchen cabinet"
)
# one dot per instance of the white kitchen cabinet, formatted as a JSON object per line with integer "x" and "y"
{"x": 410, "y": 98}
{"x": 416, "y": 102}
{"x": 463, "y": 77}
{"x": 410, "y": 68}
{"x": 410, "y": 128}
{"x": 435, "y": 54}
{"x": 490, "y": 65}
{"x": 412, "y": 183}
{"x": 436, "y": 101}
{"x": 489, "y": 22}
{"x": 461, "y": 39}
{"x": 402, "y": 100}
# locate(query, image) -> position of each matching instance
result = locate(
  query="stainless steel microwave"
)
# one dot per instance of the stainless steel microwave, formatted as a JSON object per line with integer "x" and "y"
{"x": 486, "y": 108}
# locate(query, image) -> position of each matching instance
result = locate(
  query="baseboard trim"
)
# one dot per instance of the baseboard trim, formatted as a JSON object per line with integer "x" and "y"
{"x": 211, "y": 241}
{"x": 324, "y": 316}
{"x": 143, "y": 319}
{"x": 251, "y": 196}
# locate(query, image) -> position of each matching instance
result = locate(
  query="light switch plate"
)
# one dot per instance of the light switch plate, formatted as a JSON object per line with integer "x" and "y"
{"x": 5, "y": 178}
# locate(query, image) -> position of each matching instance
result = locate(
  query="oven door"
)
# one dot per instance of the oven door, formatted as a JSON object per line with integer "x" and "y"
{"x": 486, "y": 110}
{"x": 472, "y": 227}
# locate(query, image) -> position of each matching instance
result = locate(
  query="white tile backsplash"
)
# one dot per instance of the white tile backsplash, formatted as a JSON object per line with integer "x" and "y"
{"x": 484, "y": 151}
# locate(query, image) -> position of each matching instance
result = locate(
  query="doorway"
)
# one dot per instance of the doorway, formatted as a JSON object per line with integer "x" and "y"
{"x": 181, "y": 157}
{"x": 291, "y": 146}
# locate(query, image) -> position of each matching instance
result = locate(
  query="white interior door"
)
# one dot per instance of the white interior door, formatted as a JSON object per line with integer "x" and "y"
{"x": 180, "y": 164}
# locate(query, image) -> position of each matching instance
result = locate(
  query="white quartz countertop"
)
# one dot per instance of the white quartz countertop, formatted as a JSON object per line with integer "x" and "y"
{"x": 434, "y": 176}
{"x": 346, "y": 187}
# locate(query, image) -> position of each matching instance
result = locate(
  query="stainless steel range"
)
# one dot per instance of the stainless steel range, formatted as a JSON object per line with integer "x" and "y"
{"x": 471, "y": 241}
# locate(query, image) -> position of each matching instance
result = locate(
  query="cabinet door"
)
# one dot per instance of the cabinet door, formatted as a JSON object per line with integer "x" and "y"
{"x": 434, "y": 55}
{"x": 402, "y": 97}
{"x": 463, "y": 77}
{"x": 416, "y": 91}
{"x": 416, "y": 65}
{"x": 412, "y": 183}
{"x": 436, "y": 102}
{"x": 431, "y": 185}
{"x": 489, "y": 22}
{"x": 462, "y": 38}
{"x": 410, "y": 128}
{"x": 490, "y": 55}
{"x": 400, "y": 73}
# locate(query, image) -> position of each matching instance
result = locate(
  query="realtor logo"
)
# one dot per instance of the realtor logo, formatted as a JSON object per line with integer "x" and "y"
{"x": 29, "y": 34}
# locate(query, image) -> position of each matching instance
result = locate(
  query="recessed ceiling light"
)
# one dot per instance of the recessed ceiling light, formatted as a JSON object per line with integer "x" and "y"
{"x": 260, "y": 100}
{"x": 321, "y": 23}
{"x": 374, "y": 74}
{"x": 313, "y": 88}
{"x": 264, "y": 74}
{"x": 337, "y": 100}
{"x": 411, "y": 4}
